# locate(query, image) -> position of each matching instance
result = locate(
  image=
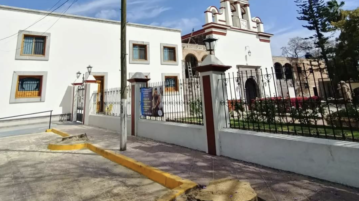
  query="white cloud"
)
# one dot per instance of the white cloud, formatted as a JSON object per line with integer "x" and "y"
{"x": 110, "y": 9}
{"x": 185, "y": 24}
{"x": 108, "y": 14}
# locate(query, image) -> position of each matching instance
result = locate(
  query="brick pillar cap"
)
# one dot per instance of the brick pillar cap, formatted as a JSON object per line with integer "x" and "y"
{"x": 90, "y": 79}
{"x": 138, "y": 77}
{"x": 212, "y": 67}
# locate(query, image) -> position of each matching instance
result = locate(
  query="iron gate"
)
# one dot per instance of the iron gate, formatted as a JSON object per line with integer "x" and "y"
{"x": 80, "y": 103}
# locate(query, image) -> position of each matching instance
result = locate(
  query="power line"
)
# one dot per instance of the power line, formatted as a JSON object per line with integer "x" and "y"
{"x": 61, "y": 16}
{"x": 36, "y": 21}
{"x": 53, "y": 23}
{"x": 55, "y": 5}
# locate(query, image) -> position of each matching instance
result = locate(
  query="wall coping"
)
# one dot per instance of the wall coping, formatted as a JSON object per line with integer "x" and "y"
{"x": 9, "y": 8}
{"x": 311, "y": 140}
{"x": 172, "y": 124}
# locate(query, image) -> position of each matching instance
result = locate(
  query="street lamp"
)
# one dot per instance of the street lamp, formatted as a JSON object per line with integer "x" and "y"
{"x": 89, "y": 69}
{"x": 78, "y": 74}
{"x": 210, "y": 43}
{"x": 248, "y": 51}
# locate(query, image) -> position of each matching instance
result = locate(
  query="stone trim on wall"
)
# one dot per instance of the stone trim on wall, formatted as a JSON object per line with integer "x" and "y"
{"x": 19, "y": 48}
{"x": 131, "y": 60}
{"x": 15, "y": 76}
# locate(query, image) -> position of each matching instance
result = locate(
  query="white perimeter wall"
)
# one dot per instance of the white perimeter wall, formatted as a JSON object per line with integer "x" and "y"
{"x": 186, "y": 135}
{"x": 109, "y": 123}
{"x": 75, "y": 44}
{"x": 331, "y": 160}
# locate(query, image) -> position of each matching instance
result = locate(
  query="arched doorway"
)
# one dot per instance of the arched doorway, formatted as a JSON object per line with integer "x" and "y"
{"x": 278, "y": 68}
{"x": 191, "y": 60}
{"x": 288, "y": 71}
{"x": 251, "y": 90}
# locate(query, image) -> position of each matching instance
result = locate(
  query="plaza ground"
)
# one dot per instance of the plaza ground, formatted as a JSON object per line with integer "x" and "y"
{"x": 34, "y": 171}
{"x": 30, "y": 172}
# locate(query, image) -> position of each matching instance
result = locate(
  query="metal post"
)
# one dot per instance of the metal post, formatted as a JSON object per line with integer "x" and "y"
{"x": 50, "y": 119}
{"x": 123, "y": 138}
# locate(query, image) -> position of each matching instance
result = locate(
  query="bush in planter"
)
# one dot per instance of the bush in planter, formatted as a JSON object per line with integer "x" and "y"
{"x": 196, "y": 108}
{"x": 346, "y": 117}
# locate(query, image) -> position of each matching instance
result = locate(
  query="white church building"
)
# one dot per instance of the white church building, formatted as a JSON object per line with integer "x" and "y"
{"x": 242, "y": 43}
{"x": 39, "y": 63}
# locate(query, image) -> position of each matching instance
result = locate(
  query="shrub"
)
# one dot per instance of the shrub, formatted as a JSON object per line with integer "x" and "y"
{"x": 196, "y": 107}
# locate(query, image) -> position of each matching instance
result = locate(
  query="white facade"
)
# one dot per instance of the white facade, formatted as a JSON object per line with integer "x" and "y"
{"x": 242, "y": 42}
{"x": 72, "y": 44}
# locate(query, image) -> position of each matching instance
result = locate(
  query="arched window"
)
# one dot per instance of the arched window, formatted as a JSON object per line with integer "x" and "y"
{"x": 213, "y": 17}
{"x": 288, "y": 71}
{"x": 243, "y": 13}
{"x": 191, "y": 61}
{"x": 278, "y": 68}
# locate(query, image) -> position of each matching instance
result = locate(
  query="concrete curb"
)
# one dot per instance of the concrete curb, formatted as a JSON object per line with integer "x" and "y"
{"x": 177, "y": 185}
{"x": 62, "y": 147}
{"x": 58, "y": 132}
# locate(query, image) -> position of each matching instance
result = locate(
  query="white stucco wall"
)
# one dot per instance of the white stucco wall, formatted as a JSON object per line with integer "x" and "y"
{"x": 75, "y": 44}
{"x": 331, "y": 160}
{"x": 231, "y": 50}
{"x": 186, "y": 135}
{"x": 109, "y": 123}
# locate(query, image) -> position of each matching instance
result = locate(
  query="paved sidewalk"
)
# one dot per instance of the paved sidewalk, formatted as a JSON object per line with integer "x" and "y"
{"x": 270, "y": 184}
{"x": 30, "y": 172}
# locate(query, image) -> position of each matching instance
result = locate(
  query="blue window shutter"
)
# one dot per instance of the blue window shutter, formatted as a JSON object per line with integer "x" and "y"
{"x": 135, "y": 52}
{"x": 165, "y": 54}
{"x": 39, "y": 46}
{"x": 28, "y": 45}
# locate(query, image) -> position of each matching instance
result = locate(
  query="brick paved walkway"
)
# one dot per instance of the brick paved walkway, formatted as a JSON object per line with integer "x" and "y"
{"x": 30, "y": 172}
{"x": 270, "y": 184}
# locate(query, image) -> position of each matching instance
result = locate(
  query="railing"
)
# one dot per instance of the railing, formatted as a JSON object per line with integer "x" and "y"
{"x": 298, "y": 101}
{"x": 109, "y": 102}
{"x": 176, "y": 100}
{"x": 50, "y": 116}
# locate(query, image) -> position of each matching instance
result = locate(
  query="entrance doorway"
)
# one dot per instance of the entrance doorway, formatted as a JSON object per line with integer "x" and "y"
{"x": 100, "y": 93}
{"x": 251, "y": 90}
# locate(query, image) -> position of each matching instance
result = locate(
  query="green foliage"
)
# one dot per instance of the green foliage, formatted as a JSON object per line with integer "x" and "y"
{"x": 196, "y": 108}
{"x": 349, "y": 112}
{"x": 266, "y": 109}
{"x": 315, "y": 13}
{"x": 347, "y": 49}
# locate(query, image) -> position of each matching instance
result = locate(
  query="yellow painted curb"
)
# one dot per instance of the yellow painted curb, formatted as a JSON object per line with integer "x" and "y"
{"x": 177, "y": 185}
{"x": 61, "y": 133}
{"x": 65, "y": 147}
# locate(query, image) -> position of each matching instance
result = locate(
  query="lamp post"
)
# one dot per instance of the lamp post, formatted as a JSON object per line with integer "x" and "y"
{"x": 210, "y": 43}
{"x": 78, "y": 74}
{"x": 89, "y": 69}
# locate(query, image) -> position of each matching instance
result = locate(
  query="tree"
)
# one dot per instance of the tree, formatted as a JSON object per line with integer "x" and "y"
{"x": 347, "y": 49}
{"x": 315, "y": 13}
{"x": 296, "y": 48}
{"x": 334, "y": 10}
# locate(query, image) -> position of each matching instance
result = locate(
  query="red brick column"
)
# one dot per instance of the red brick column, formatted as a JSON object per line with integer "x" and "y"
{"x": 212, "y": 95}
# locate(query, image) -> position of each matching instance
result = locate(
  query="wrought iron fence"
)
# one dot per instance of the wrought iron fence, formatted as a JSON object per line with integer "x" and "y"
{"x": 174, "y": 100}
{"x": 300, "y": 100}
{"x": 109, "y": 101}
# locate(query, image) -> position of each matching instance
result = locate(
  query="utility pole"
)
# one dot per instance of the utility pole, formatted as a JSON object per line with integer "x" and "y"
{"x": 123, "y": 138}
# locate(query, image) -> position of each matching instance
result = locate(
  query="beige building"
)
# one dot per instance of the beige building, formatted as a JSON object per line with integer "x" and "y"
{"x": 297, "y": 77}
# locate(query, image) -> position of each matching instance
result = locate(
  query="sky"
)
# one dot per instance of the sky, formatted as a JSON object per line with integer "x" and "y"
{"x": 279, "y": 16}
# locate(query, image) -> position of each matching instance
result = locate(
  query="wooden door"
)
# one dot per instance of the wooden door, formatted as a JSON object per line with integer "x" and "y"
{"x": 100, "y": 93}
